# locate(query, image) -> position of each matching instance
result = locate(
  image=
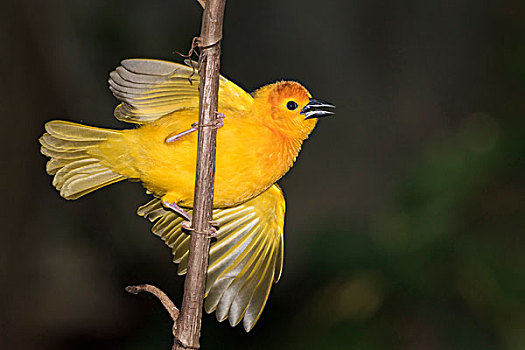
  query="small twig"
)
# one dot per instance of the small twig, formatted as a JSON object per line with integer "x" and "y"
{"x": 195, "y": 44}
{"x": 202, "y": 3}
{"x": 164, "y": 299}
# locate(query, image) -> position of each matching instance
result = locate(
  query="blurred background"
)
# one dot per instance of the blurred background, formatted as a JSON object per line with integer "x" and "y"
{"x": 406, "y": 211}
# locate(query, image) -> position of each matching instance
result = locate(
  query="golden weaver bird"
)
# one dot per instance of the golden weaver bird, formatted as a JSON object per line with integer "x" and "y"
{"x": 259, "y": 138}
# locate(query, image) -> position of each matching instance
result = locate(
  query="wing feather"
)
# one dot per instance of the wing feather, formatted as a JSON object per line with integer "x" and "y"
{"x": 260, "y": 296}
{"x": 245, "y": 259}
{"x": 235, "y": 276}
{"x": 150, "y": 89}
{"x": 280, "y": 260}
{"x": 218, "y": 253}
{"x": 240, "y": 303}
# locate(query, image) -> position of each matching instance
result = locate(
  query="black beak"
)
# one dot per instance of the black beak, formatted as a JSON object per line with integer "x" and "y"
{"x": 314, "y": 109}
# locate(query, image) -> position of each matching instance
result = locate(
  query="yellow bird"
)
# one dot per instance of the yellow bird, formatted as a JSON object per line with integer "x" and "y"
{"x": 259, "y": 138}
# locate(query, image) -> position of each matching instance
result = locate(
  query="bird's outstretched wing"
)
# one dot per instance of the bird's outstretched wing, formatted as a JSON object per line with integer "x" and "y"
{"x": 244, "y": 260}
{"x": 150, "y": 89}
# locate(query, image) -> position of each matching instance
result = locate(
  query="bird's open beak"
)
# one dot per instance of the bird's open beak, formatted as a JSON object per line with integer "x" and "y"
{"x": 314, "y": 109}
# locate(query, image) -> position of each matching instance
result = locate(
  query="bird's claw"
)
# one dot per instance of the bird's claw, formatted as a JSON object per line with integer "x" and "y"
{"x": 211, "y": 233}
{"x": 219, "y": 122}
{"x": 186, "y": 225}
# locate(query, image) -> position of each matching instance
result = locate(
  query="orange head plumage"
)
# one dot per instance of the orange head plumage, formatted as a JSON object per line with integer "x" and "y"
{"x": 288, "y": 108}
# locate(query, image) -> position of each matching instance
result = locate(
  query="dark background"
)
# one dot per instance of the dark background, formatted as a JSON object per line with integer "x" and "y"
{"x": 406, "y": 211}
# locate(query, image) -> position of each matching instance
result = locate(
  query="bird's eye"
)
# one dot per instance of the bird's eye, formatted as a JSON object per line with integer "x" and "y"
{"x": 291, "y": 105}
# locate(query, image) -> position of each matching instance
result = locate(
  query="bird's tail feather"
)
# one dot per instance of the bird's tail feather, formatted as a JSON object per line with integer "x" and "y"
{"x": 77, "y": 170}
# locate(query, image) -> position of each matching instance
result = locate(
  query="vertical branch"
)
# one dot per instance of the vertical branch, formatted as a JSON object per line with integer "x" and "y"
{"x": 188, "y": 325}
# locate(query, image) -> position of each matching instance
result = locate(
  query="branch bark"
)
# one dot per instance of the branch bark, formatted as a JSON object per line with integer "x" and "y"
{"x": 188, "y": 324}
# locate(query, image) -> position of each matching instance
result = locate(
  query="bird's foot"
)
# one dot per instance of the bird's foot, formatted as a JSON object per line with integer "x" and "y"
{"x": 218, "y": 123}
{"x": 211, "y": 233}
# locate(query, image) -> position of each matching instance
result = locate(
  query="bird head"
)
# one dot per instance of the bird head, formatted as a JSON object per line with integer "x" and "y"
{"x": 289, "y": 108}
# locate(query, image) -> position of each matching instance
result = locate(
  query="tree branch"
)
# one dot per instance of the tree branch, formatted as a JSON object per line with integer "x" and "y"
{"x": 188, "y": 325}
{"x": 164, "y": 299}
{"x": 187, "y": 322}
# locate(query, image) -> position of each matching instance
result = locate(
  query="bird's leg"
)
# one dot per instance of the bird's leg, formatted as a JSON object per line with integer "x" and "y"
{"x": 219, "y": 122}
{"x": 175, "y": 137}
{"x": 177, "y": 210}
{"x": 187, "y": 223}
